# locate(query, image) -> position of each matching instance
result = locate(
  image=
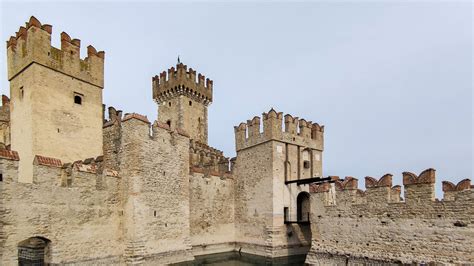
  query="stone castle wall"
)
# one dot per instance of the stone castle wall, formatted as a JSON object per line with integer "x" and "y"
{"x": 155, "y": 196}
{"x": 211, "y": 206}
{"x": 5, "y": 122}
{"x": 212, "y": 200}
{"x": 73, "y": 206}
{"x": 354, "y": 226}
{"x": 44, "y": 84}
{"x": 158, "y": 194}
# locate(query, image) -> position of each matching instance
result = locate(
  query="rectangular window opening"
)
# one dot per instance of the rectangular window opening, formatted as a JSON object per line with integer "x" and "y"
{"x": 78, "y": 97}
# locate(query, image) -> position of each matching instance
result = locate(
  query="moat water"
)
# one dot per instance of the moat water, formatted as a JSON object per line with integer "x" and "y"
{"x": 236, "y": 259}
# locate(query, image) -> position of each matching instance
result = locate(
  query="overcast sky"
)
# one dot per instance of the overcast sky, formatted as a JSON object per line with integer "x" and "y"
{"x": 391, "y": 82}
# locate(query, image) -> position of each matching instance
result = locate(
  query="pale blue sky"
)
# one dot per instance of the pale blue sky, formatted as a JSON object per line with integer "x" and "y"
{"x": 391, "y": 81}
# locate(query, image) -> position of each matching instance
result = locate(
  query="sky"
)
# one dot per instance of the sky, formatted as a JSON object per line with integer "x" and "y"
{"x": 391, "y": 80}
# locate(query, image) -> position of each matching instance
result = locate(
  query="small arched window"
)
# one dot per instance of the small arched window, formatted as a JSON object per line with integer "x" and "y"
{"x": 22, "y": 93}
{"x": 190, "y": 103}
{"x": 77, "y": 99}
{"x": 169, "y": 104}
{"x": 168, "y": 123}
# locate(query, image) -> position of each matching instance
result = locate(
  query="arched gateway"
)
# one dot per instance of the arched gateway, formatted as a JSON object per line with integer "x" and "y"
{"x": 302, "y": 207}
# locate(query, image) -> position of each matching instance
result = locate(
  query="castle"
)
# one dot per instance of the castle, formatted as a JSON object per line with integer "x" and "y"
{"x": 85, "y": 184}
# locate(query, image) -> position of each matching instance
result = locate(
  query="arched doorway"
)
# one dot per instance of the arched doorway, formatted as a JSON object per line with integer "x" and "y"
{"x": 34, "y": 251}
{"x": 302, "y": 207}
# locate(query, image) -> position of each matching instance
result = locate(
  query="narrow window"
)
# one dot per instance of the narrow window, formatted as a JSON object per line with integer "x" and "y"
{"x": 154, "y": 213}
{"x": 1, "y": 177}
{"x": 169, "y": 123}
{"x": 22, "y": 93}
{"x": 169, "y": 104}
{"x": 78, "y": 98}
{"x": 285, "y": 214}
{"x": 190, "y": 103}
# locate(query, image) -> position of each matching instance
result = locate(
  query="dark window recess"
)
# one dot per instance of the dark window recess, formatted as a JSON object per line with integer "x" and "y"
{"x": 190, "y": 103}
{"x": 169, "y": 104}
{"x": 306, "y": 164}
{"x": 154, "y": 213}
{"x": 168, "y": 123}
{"x": 286, "y": 214}
{"x": 77, "y": 99}
{"x": 1, "y": 177}
{"x": 22, "y": 93}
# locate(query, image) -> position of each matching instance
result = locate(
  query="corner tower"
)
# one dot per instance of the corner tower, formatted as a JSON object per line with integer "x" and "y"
{"x": 182, "y": 100}
{"x": 56, "y": 97}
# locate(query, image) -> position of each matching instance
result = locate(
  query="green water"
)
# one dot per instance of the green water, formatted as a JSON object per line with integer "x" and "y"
{"x": 236, "y": 259}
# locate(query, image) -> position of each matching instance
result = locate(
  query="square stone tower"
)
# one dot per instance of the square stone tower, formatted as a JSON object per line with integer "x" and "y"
{"x": 56, "y": 97}
{"x": 183, "y": 101}
{"x": 268, "y": 167}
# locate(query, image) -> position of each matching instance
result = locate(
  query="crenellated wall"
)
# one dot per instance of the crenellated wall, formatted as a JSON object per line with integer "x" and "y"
{"x": 181, "y": 81}
{"x": 156, "y": 206}
{"x": 203, "y": 157}
{"x": 376, "y": 225}
{"x": 157, "y": 193}
{"x": 64, "y": 203}
{"x": 297, "y": 131}
{"x": 32, "y": 44}
{"x": 5, "y": 123}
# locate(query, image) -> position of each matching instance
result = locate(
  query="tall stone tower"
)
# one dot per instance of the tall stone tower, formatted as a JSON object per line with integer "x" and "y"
{"x": 268, "y": 167}
{"x": 56, "y": 97}
{"x": 183, "y": 101}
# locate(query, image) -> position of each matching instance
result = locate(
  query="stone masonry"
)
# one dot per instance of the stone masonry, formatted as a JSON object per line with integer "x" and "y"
{"x": 82, "y": 184}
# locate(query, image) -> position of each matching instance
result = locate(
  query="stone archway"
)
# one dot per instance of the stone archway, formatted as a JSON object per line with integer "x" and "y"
{"x": 302, "y": 207}
{"x": 34, "y": 251}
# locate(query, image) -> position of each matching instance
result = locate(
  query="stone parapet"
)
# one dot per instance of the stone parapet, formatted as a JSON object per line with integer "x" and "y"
{"x": 181, "y": 81}
{"x": 296, "y": 131}
{"x": 378, "y": 225}
{"x": 32, "y": 44}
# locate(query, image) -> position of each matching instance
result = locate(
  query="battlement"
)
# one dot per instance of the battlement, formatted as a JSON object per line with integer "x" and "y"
{"x": 9, "y": 155}
{"x": 5, "y": 109}
{"x": 297, "y": 131}
{"x": 207, "y": 160}
{"x": 418, "y": 189}
{"x": 52, "y": 171}
{"x": 181, "y": 81}
{"x": 377, "y": 224}
{"x": 32, "y": 44}
{"x": 451, "y": 191}
{"x": 115, "y": 117}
